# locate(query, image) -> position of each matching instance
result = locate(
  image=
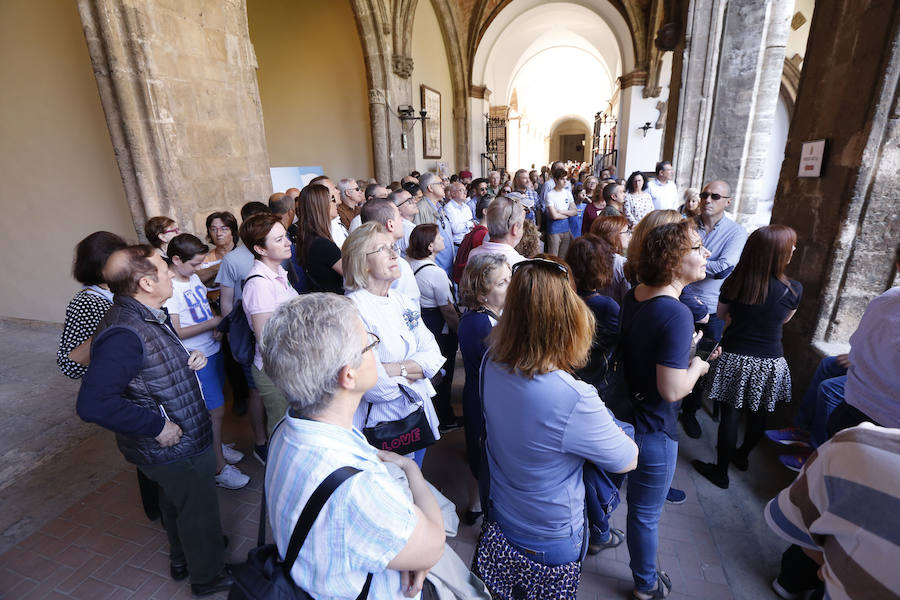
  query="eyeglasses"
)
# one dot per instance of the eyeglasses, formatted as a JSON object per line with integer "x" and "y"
{"x": 410, "y": 199}
{"x": 214, "y": 229}
{"x": 372, "y": 344}
{"x": 513, "y": 202}
{"x": 390, "y": 250}
{"x": 541, "y": 262}
{"x": 698, "y": 248}
{"x": 705, "y": 195}
{"x": 174, "y": 230}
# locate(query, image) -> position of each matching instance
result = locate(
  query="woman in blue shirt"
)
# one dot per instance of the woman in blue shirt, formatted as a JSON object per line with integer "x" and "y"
{"x": 482, "y": 289}
{"x": 541, "y": 423}
{"x": 755, "y": 301}
{"x": 656, "y": 336}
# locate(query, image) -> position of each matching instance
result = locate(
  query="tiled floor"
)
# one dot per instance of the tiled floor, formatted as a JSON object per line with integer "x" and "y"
{"x": 102, "y": 546}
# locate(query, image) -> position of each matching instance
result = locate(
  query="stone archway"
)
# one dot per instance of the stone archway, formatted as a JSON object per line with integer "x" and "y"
{"x": 565, "y": 135}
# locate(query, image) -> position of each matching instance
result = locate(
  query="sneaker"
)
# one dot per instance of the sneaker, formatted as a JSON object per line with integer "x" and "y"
{"x": 691, "y": 425}
{"x": 452, "y": 426}
{"x": 794, "y": 462}
{"x": 712, "y": 473}
{"x": 231, "y": 455}
{"x": 261, "y": 452}
{"x": 675, "y": 496}
{"x": 231, "y": 478}
{"x": 783, "y": 593}
{"x": 789, "y": 436}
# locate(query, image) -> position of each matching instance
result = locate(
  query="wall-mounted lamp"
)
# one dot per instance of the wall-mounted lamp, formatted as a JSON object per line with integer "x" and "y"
{"x": 407, "y": 113}
{"x": 645, "y": 128}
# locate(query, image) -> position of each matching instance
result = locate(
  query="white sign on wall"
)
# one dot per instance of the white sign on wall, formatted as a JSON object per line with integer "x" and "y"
{"x": 811, "y": 159}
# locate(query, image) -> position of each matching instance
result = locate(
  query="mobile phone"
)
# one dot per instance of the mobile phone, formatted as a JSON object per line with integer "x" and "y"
{"x": 705, "y": 354}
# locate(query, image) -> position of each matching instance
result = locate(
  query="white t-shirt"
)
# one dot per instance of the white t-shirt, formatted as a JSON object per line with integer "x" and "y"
{"x": 189, "y": 302}
{"x": 559, "y": 199}
{"x": 338, "y": 233}
{"x": 434, "y": 284}
{"x": 665, "y": 195}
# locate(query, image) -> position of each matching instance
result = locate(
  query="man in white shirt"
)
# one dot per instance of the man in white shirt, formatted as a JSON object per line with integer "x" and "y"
{"x": 462, "y": 219}
{"x": 663, "y": 189}
{"x": 505, "y": 220}
{"x": 408, "y": 208}
{"x": 386, "y": 212}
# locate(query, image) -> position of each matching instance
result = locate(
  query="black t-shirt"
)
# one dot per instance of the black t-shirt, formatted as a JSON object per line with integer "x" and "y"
{"x": 755, "y": 329}
{"x": 657, "y": 331}
{"x": 320, "y": 256}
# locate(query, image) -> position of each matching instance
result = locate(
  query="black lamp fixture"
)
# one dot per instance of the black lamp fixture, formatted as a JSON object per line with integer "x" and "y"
{"x": 408, "y": 113}
{"x": 645, "y": 127}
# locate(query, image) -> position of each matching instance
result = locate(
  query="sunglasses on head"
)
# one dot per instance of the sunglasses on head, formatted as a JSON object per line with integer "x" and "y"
{"x": 543, "y": 263}
{"x": 705, "y": 195}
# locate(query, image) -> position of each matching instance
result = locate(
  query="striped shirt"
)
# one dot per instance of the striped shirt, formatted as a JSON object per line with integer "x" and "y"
{"x": 363, "y": 526}
{"x": 395, "y": 319}
{"x": 845, "y": 503}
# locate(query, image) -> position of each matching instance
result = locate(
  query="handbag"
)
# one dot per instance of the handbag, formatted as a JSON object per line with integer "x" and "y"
{"x": 403, "y": 436}
{"x": 241, "y": 339}
{"x": 263, "y": 576}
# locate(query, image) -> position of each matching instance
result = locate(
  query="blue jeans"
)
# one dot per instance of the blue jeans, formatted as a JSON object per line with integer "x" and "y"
{"x": 825, "y": 392}
{"x": 539, "y": 549}
{"x": 647, "y": 487}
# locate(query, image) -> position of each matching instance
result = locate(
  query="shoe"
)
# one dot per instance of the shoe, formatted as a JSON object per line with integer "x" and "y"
{"x": 711, "y": 472}
{"x": 691, "y": 425}
{"x": 231, "y": 455}
{"x": 740, "y": 461}
{"x": 231, "y": 478}
{"x": 178, "y": 571}
{"x": 221, "y": 583}
{"x": 452, "y": 426}
{"x": 783, "y": 593}
{"x": 261, "y": 452}
{"x": 794, "y": 462}
{"x": 675, "y": 496}
{"x": 663, "y": 587}
{"x": 789, "y": 436}
{"x": 616, "y": 537}
{"x": 471, "y": 517}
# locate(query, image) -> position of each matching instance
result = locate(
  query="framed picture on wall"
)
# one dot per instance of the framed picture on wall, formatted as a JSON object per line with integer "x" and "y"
{"x": 431, "y": 128}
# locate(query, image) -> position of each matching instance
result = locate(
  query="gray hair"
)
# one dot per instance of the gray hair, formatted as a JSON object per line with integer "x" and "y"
{"x": 473, "y": 285}
{"x": 344, "y": 185}
{"x": 503, "y": 210}
{"x": 306, "y": 343}
{"x": 428, "y": 178}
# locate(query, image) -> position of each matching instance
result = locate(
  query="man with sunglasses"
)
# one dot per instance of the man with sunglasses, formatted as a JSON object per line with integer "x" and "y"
{"x": 724, "y": 239}
{"x": 433, "y": 201}
{"x": 408, "y": 208}
{"x": 505, "y": 219}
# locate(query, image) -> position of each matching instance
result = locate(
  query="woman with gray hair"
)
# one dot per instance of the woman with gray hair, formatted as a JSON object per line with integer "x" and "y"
{"x": 374, "y": 527}
{"x": 408, "y": 354}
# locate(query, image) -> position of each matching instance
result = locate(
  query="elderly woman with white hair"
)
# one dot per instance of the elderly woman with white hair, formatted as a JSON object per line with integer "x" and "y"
{"x": 408, "y": 354}
{"x": 376, "y": 533}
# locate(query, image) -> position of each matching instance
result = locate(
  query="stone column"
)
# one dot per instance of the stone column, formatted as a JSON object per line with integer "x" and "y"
{"x": 847, "y": 220}
{"x": 749, "y": 77}
{"x": 178, "y": 86}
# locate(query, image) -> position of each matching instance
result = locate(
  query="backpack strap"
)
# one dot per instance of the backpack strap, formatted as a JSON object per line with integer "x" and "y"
{"x": 416, "y": 272}
{"x": 244, "y": 282}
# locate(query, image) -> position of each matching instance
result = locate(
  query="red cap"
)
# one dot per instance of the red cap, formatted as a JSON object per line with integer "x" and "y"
{"x": 464, "y": 174}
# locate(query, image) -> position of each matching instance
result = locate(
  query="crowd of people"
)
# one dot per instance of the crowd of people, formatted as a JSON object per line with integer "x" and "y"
{"x": 591, "y": 314}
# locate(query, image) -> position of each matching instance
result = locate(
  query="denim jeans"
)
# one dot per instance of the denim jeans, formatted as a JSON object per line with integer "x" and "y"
{"x": 825, "y": 392}
{"x": 543, "y": 550}
{"x": 647, "y": 487}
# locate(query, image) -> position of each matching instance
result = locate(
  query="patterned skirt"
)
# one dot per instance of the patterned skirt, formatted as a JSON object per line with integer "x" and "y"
{"x": 739, "y": 379}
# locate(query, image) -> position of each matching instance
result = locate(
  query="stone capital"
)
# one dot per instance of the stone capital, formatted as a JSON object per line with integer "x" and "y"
{"x": 377, "y": 96}
{"x": 480, "y": 91}
{"x": 634, "y": 78}
{"x": 402, "y": 66}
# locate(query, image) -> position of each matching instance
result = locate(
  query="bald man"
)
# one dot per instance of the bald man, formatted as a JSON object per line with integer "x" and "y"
{"x": 141, "y": 384}
{"x": 724, "y": 239}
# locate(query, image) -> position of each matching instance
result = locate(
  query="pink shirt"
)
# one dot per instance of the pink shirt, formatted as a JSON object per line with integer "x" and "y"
{"x": 263, "y": 295}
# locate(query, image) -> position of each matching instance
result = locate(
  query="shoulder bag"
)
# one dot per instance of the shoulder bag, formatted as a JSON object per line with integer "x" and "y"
{"x": 403, "y": 436}
{"x": 240, "y": 336}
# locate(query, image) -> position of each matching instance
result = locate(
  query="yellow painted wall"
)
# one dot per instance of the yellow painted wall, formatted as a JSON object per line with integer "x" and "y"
{"x": 430, "y": 67}
{"x": 58, "y": 176}
{"x": 312, "y": 84}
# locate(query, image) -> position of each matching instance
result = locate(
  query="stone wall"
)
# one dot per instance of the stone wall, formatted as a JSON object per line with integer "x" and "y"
{"x": 847, "y": 220}
{"x": 178, "y": 85}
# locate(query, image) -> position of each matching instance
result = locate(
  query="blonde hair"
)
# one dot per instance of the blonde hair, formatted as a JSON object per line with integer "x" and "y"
{"x": 353, "y": 255}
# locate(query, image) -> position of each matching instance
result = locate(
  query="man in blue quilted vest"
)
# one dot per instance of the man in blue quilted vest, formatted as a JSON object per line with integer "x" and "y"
{"x": 141, "y": 384}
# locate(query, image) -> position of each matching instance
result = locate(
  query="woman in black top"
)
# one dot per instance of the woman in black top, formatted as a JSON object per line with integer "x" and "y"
{"x": 316, "y": 251}
{"x": 752, "y": 374}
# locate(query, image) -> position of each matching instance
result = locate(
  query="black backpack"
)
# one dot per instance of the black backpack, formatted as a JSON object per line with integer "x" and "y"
{"x": 240, "y": 337}
{"x": 264, "y": 576}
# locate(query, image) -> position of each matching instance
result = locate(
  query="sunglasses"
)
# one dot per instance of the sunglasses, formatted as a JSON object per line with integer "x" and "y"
{"x": 543, "y": 263}
{"x": 705, "y": 195}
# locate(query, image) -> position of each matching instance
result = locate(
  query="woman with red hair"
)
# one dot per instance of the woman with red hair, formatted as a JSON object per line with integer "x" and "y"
{"x": 752, "y": 375}
{"x": 616, "y": 231}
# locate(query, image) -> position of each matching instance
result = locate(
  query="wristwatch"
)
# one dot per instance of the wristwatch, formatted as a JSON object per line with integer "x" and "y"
{"x": 403, "y": 371}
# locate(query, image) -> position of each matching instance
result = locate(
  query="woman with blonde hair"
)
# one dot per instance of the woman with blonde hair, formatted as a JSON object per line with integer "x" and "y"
{"x": 407, "y": 353}
{"x": 691, "y": 206}
{"x": 542, "y": 425}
